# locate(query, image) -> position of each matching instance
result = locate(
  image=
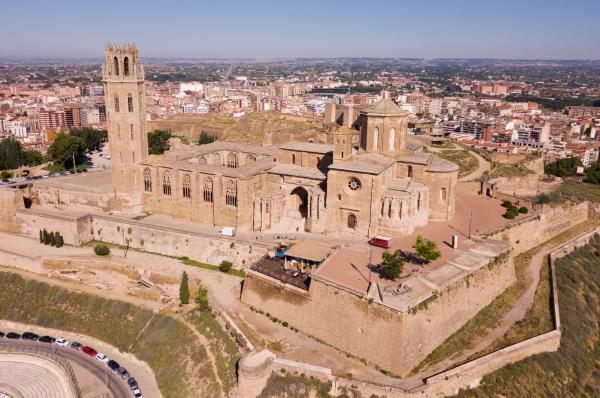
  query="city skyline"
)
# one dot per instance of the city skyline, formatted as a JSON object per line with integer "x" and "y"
{"x": 268, "y": 29}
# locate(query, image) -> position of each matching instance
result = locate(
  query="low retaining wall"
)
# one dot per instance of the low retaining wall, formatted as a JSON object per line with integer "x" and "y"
{"x": 17, "y": 260}
{"x": 171, "y": 241}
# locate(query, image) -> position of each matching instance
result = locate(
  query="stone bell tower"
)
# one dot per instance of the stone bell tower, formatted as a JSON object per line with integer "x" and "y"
{"x": 123, "y": 79}
{"x": 383, "y": 128}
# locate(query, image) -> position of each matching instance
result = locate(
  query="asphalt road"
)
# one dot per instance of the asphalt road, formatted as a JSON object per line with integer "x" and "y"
{"x": 117, "y": 387}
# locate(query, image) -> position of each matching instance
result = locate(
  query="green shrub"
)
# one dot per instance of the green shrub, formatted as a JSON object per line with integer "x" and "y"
{"x": 511, "y": 213}
{"x": 225, "y": 266}
{"x": 523, "y": 210}
{"x": 507, "y": 203}
{"x": 101, "y": 250}
{"x": 543, "y": 199}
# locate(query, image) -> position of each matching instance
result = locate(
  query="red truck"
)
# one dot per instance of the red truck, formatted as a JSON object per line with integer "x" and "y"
{"x": 381, "y": 241}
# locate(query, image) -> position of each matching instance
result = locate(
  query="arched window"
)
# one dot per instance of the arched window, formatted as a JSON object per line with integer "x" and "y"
{"x": 166, "y": 183}
{"x": 131, "y": 131}
{"x": 231, "y": 194}
{"x": 208, "y": 190}
{"x": 126, "y": 66}
{"x": 116, "y": 66}
{"x": 392, "y": 142}
{"x": 218, "y": 161}
{"x": 187, "y": 186}
{"x": 147, "y": 180}
{"x": 382, "y": 207}
{"x": 116, "y": 103}
{"x": 410, "y": 171}
{"x": 363, "y": 137}
{"x": 400, "y": 210}
{"x": 293, "y": 158}
{"x": 129, "y": 102}
{"x": 352, "y": 221}
{"x": 390, "y": 209}
{"x": 419, "y": 202}
{"x": 375, "y": 138}
{"x": 232, "y": 160}
{"x": 443, "y": 194}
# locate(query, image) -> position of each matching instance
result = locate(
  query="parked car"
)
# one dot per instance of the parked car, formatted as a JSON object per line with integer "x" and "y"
{"x": 102, "y": 358}
{"x": 132, "y": 383}
{"x": 114, "y": 365}
{"x": 30, "y": 336}
{"x": 47, "y": 339}
{"x": 123, "y": 373}
{"x": 2, "y": 334}
{"x": 137, "y": 393}
{"x": 13, "y": 335}
{"x": 62, "y": 342}
{"x": 89, "y": 351}
{"x": 76, "y": 346}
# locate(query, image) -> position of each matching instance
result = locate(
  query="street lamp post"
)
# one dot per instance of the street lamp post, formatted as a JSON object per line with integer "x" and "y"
{"x": 470, "y": 222}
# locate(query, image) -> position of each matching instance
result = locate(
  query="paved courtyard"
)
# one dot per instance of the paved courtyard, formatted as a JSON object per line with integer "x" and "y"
{"x": 349, "y": 265}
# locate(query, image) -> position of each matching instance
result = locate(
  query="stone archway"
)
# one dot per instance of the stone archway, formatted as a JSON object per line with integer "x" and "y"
{"x": 298, "y": 203}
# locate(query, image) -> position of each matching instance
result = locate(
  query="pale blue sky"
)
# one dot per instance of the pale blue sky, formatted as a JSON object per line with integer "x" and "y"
{"x": 304, "y": 28}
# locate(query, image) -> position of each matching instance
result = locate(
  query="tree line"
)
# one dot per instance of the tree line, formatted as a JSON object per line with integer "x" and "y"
{"x": 61, "y": 152}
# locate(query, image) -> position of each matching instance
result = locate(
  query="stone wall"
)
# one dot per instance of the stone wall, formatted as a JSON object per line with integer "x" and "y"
{"x": 354, "y": 324}
{"x": 79, "y": 229}
{"x": 17, "y": 260}
{"x": 10, "y": 200}
{"x": 535, "y": 229}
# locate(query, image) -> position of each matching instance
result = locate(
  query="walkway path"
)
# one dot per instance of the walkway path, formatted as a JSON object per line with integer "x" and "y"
{"x": 516, "y": 313}
{"x": 483, "y": 166}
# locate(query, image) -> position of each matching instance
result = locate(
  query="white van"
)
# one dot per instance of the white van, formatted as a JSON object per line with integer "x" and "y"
{"x": 227, "y": 231}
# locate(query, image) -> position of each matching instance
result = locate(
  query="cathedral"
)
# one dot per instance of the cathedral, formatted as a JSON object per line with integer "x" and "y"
{"x": 365, "y": 181}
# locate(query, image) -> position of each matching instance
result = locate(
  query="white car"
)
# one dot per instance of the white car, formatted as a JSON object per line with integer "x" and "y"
{"x": 62, "y": 342}
{"x": 137, "y": 393}
{"x": 102, "y": 358}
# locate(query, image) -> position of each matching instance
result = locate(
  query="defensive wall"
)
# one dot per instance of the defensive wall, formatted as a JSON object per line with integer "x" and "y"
{"x": 411, "y": 326}
{"x": 448, "y": 382}
{"x": 532, "y": 230}
{"x": 80, "y": 228}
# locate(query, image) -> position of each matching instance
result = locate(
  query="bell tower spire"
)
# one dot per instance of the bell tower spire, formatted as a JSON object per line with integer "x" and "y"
{"x": 123, "y": 78}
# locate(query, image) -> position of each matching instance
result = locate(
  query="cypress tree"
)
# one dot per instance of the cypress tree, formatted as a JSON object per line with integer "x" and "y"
{"x": 59, "y": 240}
{"x": 52, "y": 239}
{"x": 184, "y": 289}
{"x": 46, "y": 237}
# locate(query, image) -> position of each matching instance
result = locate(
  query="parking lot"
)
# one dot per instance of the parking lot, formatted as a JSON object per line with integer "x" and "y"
{"x": 96, "y": 372}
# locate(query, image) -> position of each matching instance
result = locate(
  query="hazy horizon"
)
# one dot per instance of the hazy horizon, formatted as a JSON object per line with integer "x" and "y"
{"x": 269, "y": 29}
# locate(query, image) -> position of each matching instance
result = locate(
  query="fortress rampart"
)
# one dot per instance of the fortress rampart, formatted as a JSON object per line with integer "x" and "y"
{"x": 392, "y": 335}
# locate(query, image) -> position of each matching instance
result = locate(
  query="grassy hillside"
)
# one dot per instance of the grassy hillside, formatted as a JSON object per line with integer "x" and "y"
{"x": 180, "y": 362}
{"x": 573, "y": 371}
